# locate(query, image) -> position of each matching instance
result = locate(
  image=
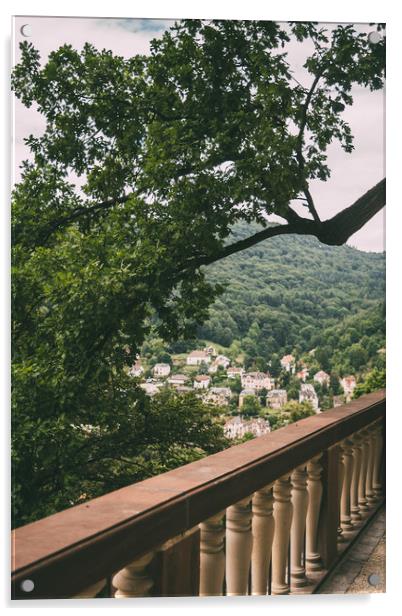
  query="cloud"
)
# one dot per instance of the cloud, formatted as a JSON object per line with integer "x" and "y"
{"x": 155, "y": 26}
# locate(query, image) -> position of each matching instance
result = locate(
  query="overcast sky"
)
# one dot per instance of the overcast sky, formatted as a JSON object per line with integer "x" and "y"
{"x": 352, "y": 174}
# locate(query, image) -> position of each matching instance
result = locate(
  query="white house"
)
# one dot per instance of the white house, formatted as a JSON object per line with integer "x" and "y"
{"x": 237, "y": 427}
{"x": 218, "y": 395}
{"x": 161, "y": 370}
{"x": 151, "y": 388}
{"x": 202, "y": 381}
{"x": 195, "y": 358}
{"x": 136, "y": 369}
{"x": 288, "y": 363}
{"x": 322, "y": 377}
{"x": 308, "y": 394}
{"x": 178, "y": 379}
{"x": 277, "y": 398}
{"x": 234, "y": 372}
{"x": 257, "y": 381}
{"x": 348, "y": 384}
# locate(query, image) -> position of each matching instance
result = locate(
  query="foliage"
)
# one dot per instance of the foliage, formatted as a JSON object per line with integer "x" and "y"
{"x": 251, "y": 406}
{"x": 59, "y": 461}
{"x": 373, "y": 381}
{"x": 274, "y": 286}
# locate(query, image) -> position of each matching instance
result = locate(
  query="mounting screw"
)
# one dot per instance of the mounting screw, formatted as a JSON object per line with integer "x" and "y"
{"x": 27, "y": 585}
{"x": 373, "y": 579}
{"x": 374, "y": 38}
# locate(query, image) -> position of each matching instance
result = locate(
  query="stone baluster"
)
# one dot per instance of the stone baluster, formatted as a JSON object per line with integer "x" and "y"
{"x": 238, "y": 547}
{"x": 314, "y": 488}
{"x": 134, "y": 580}
{"x": 91, "y": 591}
{"x": 263, "y": 532}
{"x": 283, "y": 521}
{"x": 377, "y": 460}
{"x": 363, "y": 471}
{"x": 370, "y": 494}
{"x": 341, "y": 477}
{"x": 299, "y": 506}
{"x": 212, "y": 556}
{"x": 354, "y": 488}
{"x": 346, "y": 522}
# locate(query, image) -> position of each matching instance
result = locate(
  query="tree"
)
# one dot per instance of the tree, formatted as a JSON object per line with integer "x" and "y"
{"x": 128, "y": 443}
{"x": 251, "y": 406}
{"x": 373, "y": 381}
{"x": 170, "y": 149}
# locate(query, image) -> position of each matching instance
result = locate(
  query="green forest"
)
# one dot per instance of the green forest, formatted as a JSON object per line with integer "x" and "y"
{"x": 294, "y": 294}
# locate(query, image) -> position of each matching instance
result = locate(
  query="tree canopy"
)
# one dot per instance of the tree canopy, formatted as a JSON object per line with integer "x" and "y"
{"x": 144, "y": 166}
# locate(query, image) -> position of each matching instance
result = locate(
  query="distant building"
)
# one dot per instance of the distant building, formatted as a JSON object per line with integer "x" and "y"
{"x": 288, "y": 363}
{"x": 348, "y": 384}
{"x": 151, "y": 388}
{"x": 322, "y": 377}
{"x": 202, "y": 381}
{"x": 136, "y": 369}
{"x": 302, "y": 374}
{"x": 308, "y": 394}
{"x": 220, "y": 396}
{"x": 182, "y": 389}
{"x": 244, "y": 393}
{"x": 234, "y": 372}
{"x": 219, "y": 361}
{"x": 277, "y": 398}
{"x": 195, "y": 358}
{"x": 237, "y": 427}
{"x": 177, "y": 379}
{"x": 257, "y": 381}
{"x": 161, "y": 370}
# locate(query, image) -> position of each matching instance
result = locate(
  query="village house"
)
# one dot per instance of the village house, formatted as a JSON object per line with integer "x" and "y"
{"x": 234, "y": 372}
{"x": 219, "y": 361}
{"x": 302, "y": 374}
{"x": 136, "y": 370}
{"x": 202, "y": 381}
{"x": 196, "y": 358}
{"x": 308, "y": 394}
{"x": 237, "y": 427}
{"x": 183, "y": 389}
{"x": 151, "y": 388}
{"x": 220, "y": 396}
{"x": 348, "y": 384}
{"x": 277, "y": 398}
{"x": 177, "y": 379}
{"x": 257, "y": 381}
{"x": 322, "y": 377}
{"x": 288, "y": 363}
{"x": 161, "y": 370}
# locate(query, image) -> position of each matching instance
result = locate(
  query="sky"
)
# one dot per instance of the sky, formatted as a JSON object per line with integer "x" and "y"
{"x": 352, "y": 174}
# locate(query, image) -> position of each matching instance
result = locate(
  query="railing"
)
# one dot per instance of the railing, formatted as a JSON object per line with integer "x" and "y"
{"x": 270, "y": 516}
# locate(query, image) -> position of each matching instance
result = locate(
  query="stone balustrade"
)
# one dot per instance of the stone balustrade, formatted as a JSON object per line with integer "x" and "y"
{"x": 324, "y": 480}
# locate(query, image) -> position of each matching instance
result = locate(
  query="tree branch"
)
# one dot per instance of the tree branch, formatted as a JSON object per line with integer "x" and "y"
{"x": 334, "y": 232}
{"x": 300, "y": 141}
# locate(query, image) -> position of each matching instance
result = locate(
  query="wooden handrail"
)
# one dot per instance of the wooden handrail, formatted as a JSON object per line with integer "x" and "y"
{"x": 70, "y": 550}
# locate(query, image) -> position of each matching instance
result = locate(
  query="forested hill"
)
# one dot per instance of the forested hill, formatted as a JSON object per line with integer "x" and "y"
{"x": 294, "y": 293}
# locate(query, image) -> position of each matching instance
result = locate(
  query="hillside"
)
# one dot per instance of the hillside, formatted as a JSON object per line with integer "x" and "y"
{"x": 293, "y": 293}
